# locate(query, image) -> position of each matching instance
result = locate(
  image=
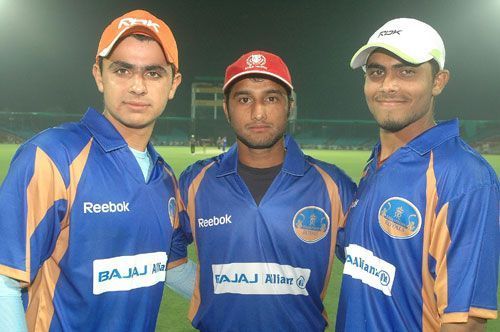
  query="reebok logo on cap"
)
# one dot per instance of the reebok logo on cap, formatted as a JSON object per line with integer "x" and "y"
{"x": 139, "y": 22}
{"x": 128, "y": 22}
{"x": 410, "y": 39}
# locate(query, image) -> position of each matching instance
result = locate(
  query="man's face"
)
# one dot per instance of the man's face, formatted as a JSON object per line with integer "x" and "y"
{"x": 399, "y": 94}
{"x": 137, "y": 82}
{"x": 257, "y": 110}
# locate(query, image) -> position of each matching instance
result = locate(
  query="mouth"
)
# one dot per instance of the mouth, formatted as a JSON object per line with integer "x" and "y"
{"x": 138, "y": 105}
{"x": 258, "y": 127}
{"x": 390, "y": 102}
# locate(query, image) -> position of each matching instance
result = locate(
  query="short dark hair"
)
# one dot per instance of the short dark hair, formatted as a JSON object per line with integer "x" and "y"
{"x": 434, "y": 67}
{"x": 137, "y": 36}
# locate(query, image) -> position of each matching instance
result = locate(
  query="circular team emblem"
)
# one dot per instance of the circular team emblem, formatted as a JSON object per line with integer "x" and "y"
{"x": 256, "y": 60}
{"x": 172, "y": 209}
{"x": 311, "y": 224}
{"x": 399, "y": 218}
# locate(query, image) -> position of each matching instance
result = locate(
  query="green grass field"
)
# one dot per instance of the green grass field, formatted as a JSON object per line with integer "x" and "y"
{"x": 173, "y": 310}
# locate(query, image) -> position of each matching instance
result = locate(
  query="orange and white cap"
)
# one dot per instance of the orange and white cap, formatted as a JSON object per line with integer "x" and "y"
{"x": 141, "y": 22}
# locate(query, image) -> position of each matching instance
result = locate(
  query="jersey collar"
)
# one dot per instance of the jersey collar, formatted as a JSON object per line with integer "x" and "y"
{"x": 103, "y": 131}
{"x": 106, "y": 135}
{"x": 294, "y": 164}
{"x": 434, "y": 137}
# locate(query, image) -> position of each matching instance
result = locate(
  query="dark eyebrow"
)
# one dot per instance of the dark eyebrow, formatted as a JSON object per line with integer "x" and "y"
{"x": 126, "y": 65}
{"x": 121, "y": 64}
{"x": 156, "y": 68}
{"x": 406, "y": 64}
{"x": 275, "y": 91}
{"x": 374, "y": 66}
{"x": 246, "y": 92}
{"x": 398, "y": 65}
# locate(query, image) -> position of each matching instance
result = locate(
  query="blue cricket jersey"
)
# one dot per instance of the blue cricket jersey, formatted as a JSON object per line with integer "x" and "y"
{"x": 263, "y": 267}
{"x": 422, "y": 238}
{"x": 84, "y": 232}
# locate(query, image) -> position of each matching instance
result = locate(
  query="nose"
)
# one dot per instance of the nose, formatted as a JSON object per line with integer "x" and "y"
{"x": 390, "y": 83}
{"x": 138, "y": 86}
{"x": 259, "y": 111}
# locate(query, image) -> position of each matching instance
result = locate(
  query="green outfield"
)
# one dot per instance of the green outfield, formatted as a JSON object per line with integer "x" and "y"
{"x": 173, "y": 310}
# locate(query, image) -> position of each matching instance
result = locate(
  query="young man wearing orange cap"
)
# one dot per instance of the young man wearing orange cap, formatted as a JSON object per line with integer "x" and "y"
{"x": 89, "y": 209}
{"x": 421, "y": 237}
{"x": 263, "y": 215}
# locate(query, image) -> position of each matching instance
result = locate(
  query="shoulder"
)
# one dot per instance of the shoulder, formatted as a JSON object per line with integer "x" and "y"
{"x": 58, "y": 145}
{"x": 62, "y": 139}
{"x": 334, "y": 172}
{"x": 193, "y": 170}
{"x": 459, "y": 169}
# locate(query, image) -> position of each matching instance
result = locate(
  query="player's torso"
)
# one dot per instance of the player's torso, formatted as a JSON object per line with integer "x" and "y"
{"x": 114, "y": 257}
{"x": 384, "y": 245}
{"x": 264, "y": 263}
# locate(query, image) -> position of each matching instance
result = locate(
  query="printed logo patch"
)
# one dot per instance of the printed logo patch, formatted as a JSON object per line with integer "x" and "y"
{"x": 172, "y": 209}
{"x": 256, "y": 61}
{"x": 128, "y": 272}
{"x": 399, "y": 218}
{"x": 260, "y": 278}
{"x": 373, "y": 271}
{"x": 311, "y": 224}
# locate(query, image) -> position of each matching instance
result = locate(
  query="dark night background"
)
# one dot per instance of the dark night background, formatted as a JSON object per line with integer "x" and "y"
{"x": 48, "y": 47}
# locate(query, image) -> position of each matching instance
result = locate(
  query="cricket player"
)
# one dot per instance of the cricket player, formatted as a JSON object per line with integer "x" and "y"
{"x": 88, "y": 210}
{"x": 263, "y": 215}
{"x": 422, "y": 235}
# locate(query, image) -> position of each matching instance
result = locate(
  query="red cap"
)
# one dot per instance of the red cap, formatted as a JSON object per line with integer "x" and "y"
{"x": 258, "y": 62}
{"x": 142, "y": 22}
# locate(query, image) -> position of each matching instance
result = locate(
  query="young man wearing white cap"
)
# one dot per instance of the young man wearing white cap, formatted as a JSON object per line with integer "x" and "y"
{"x": 263, "y": 215}
{"x": 89, "y": 209}
{"x": 421, "y": 241}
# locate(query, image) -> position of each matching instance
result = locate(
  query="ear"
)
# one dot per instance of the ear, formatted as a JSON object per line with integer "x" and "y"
{"x": 96, "y": 72}
{"x": 440, "y": 80}
{"x": 175, "y": 83}
{"x": 226, "y": 110}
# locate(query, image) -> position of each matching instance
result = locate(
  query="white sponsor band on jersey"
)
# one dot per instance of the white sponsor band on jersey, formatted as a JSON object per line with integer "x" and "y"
{"x": 373, "y": 271}
{"x": 214, "y": 221}
{"x": 129, "y": 272}
{"x": 110, "y": 207}
{"x": 260, "y": 278}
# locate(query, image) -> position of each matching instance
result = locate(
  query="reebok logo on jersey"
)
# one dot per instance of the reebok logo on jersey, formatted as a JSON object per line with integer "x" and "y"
{"x": 260, "y": 278}
{"x": 214, "y": 221}
{"x": 110, "y": 207}
{"x": 373, "y": 271}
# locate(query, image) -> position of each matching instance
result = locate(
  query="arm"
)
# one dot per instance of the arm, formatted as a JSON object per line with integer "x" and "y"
{"x": 466, "y": 234}
{"x": 181, "y": 279}
{"x": 11, "y": 306}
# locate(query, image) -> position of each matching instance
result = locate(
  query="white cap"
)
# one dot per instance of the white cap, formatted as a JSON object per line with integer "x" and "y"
{"x": 411, "y": 40}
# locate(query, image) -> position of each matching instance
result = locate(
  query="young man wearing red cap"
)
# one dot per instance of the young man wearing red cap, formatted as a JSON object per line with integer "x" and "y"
{"x": 89, "y": 209}
{"x": 421, "y": 237}
{"x": 263, "y": 215}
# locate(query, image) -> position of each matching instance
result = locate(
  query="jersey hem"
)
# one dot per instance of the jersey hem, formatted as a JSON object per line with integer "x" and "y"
{"x": 10, "y": 272}
{"x": 463, "y": 317}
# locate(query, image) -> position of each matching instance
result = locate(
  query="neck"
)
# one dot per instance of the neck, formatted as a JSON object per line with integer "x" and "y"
{"x": 262, "y": 158}
{"x": 392, "y": 141}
